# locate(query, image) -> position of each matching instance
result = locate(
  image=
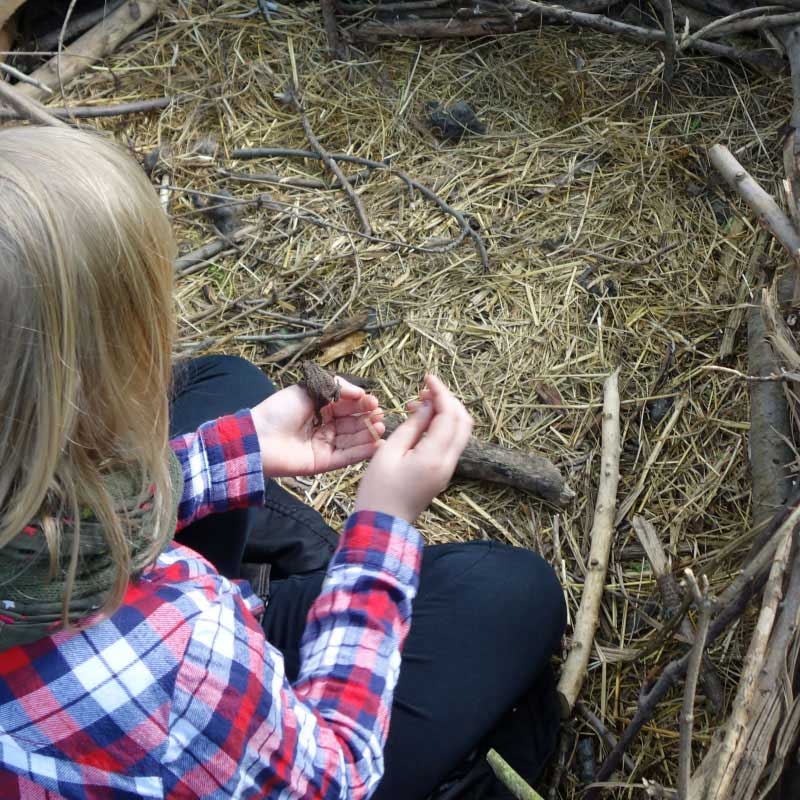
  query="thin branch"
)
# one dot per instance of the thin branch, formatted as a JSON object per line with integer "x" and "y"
{"x": 510, "y": 778}
{"x": 21, "y": 76}
{"x": 737, "y": 597}
{"x": 27, "y": 108}
{"x": 93, "y": 112}
{"x": 670, "y": 45}
{"x": 692, "y": 674}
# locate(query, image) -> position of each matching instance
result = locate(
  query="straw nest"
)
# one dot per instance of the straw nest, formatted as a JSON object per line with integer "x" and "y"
{"x": 505, "y": 337}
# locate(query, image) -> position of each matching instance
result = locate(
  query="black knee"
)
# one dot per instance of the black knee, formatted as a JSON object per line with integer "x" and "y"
{"x": 528, "y": 593}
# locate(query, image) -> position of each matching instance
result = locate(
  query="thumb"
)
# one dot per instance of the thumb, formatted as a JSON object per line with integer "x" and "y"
{"x": 410, "y": 432}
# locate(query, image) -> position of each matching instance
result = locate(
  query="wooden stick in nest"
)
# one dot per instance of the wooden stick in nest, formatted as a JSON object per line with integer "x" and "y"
{"x": 96, "y": 43}
{"x": 93, "y": 112}
{"x": 586, "y": 621}
{"x": 519, "y": 15}
{"x": 703, "y": 604}
{"x": 27, "y": 108}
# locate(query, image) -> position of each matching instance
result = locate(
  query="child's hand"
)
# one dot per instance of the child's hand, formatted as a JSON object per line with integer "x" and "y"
{"x": 417, "y": 461}
{"x": 291, "y": 444}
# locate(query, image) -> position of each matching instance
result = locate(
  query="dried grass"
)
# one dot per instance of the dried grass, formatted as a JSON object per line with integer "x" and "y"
{"x": 494, "y": 335}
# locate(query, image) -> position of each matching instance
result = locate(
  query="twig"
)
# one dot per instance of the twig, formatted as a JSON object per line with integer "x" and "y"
{"x": 670, "y": 46}
{"x": 603, "y": 732}
{"x": 77, "y": 25}
{"x": 93, "y": 112}
{"x": 335, "y": 46}
{"x": 202, "y": 254}
{"x": 731, "y": 750}
{"x": 720, "y": 22}
{"x": 27, "y": 108}
{"x": 291, "y": 180}
{"x": 524, "y": 14}
{"x": 586, "y": 621}
{"x": 692, "y": 673}
{"x": 331, "y": 164}
{"x": 21, "y": 76}
{"x": 510, "y": 778}
{"x": 264, "y": 338}
{"x": 762, "y": 204}
{"x": 60, "y": 49}
{"x": 466, "y": 228}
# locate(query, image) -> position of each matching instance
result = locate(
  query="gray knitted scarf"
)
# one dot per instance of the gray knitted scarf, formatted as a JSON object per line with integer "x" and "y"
{"x": 31, "y": 597}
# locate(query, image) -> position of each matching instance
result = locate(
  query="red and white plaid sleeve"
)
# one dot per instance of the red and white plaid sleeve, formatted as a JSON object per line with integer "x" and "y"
{"x": 239, "y": 728}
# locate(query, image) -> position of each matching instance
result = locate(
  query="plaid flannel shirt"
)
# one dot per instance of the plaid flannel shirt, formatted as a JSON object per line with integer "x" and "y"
{"x": 178, "y": 695}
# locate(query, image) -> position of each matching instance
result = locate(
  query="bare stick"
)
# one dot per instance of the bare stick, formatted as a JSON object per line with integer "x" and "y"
{"x": 586, "y": 621}
{"x": 762, "y": 204}
{"x": 510, "y": 778}
{"x": 692, "y": 673}
{"x": 335, "y": 46}
{"x": 754, "y": 17}
{"x": 202, "y": 254}
{"x": 484, "y": 461}
{"x": 93, "y": 45}
{"x": 670, "y": 46}
{"x": 446, "y": 208}
{"x": 94, "y": 112}
{"x": 27, "y": 108}
{"x": 77, "y": 25}
{"x": 21, "y": 76}
{"x": 331, "y": 164}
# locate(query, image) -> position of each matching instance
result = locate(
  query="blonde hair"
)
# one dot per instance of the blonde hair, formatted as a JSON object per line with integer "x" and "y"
{"x": 86, "y": 327}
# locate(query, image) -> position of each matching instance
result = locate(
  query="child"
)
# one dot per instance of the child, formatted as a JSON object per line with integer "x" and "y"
{"x": 129, "y": 665}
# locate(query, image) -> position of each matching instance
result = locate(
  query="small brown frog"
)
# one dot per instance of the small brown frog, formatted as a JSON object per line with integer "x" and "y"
{"x": 321, "y": 386}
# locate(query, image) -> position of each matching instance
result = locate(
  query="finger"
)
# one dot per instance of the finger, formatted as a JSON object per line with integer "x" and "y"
{"x": 358, "y": 423}
{"x": 446, "y": 409}
{"x": 349, "y": 391}
{"x": 409, "y": 433}
{"x": 348, "y": 407}
{"x": 344, "y": 458}
{"x": 347, "y": 440}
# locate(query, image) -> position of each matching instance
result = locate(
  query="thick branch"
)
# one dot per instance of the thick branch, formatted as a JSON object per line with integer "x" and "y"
{"x": 482, "y": 461}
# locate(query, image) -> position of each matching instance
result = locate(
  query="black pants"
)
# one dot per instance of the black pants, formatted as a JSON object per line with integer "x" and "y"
{"x": 486, "y": 620}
